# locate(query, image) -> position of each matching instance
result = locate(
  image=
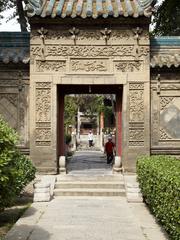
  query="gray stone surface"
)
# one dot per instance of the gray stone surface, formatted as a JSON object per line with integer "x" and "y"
{"x": 84, "y": 218}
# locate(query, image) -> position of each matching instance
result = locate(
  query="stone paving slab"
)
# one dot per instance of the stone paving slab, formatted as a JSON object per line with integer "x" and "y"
{"x": 98, "y": 218}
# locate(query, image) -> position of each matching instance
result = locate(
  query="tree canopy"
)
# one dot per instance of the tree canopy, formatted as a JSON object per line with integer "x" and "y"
{"x": 167, "y": 19}
{"x": 18, "y": 6}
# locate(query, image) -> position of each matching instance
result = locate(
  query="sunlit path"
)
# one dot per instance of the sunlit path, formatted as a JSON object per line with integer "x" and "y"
{"x": 89, "y": 163}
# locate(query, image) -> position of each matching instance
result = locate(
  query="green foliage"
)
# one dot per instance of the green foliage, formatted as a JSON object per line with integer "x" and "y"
{"x": 159, "y": 179}
{"x": 70, "y": 111}
{"x": 16, "y": 170}
{"x": 167, "y": 19}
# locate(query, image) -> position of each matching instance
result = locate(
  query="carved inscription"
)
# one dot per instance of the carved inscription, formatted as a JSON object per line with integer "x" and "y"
{"x": 49, "y": 66}
{"x": 127, "y": 66}
{"x": 43, "y": 114}
{"x": 89, "y": 65}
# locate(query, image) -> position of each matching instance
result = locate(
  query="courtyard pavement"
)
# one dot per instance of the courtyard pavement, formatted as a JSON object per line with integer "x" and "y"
{"x": 87, "y": 218}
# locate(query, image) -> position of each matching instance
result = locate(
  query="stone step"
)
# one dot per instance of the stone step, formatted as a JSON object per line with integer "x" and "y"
{"x": 89, "y": 178}
{"x": 89, "y": 192}
{"x": 89, "y": 184}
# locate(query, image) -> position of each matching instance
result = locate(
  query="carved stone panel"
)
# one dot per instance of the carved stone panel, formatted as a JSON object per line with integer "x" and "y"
{"x": 127, "y": 66}
{"x": 90, "y": 65}
{"x": 43, "y": 114}
{"x": 136, "y": 102}
{"x": 9, "y": 108}
{"x": 51, "y": 66}
{"x": 170, "y": 118}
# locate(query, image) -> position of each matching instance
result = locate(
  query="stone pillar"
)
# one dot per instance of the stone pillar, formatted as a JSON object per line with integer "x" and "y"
{"x": 119, "y": 123}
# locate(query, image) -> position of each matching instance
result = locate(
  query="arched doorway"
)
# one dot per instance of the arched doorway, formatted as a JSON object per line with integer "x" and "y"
{"x": 64, "y": 89}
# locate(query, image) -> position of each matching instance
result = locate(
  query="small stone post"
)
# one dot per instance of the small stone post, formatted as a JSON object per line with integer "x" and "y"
{"x": 117, "y": 167}
{"x": 62, "y": 165}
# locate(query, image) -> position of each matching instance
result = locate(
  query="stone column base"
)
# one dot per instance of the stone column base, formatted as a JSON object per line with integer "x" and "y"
{"x": 117, "y": 167}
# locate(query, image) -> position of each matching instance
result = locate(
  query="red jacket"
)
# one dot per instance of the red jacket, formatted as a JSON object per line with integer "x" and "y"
{"x": 109, "y": 146}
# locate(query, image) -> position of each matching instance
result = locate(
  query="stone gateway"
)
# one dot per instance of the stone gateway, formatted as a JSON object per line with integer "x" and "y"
{"x": 102, "y": 45}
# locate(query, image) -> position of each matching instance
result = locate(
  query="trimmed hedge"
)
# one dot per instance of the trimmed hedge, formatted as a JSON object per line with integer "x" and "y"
{"x": 159, "y": 179}
{"x": 16, "y": 170}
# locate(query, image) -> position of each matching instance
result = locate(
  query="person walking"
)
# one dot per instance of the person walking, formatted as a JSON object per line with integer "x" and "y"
{"x": 90, "y": 138}
{"x": 109, "y": 150}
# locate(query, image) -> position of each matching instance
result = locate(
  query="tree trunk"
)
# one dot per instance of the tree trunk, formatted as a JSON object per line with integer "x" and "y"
{"x": 22, "y": 20}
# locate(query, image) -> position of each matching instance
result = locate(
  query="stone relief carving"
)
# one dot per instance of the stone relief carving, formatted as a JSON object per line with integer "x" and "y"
{"x": 136, "y": 144}
{"x": 74, "y": 34}
{"x": 136, "y": 135}
{"x": 136, "y": 105}
{"x": 10, "y": 97}
{"x": 48, "y": 66}
{"x": 126, "y": 66}
{"x": 43, "y": 114}
{"x": 89, "y": 51}
{"x": 134, "y": 86}
{"x": 106, "y": 34}
{"x": 42, "y": 34}
{"x": 43, "y": 134}
{"x": 90, "y": 35}
{"x": 164, "y": 102}
{"x": 164, "y": 135}
{"x": 89, "y": 65}
{"x": 43, "y": 105}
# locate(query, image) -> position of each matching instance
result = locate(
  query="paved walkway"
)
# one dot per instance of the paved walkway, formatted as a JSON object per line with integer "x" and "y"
{"x": 87, "y": 218}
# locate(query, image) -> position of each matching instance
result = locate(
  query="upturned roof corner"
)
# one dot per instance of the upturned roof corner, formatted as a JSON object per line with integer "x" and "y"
{"x": 89, "y": 8}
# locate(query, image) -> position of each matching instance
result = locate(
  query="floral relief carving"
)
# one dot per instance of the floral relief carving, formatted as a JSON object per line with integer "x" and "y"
{"x": 89, "y": 65}
{"x": 48, "y": 66}
{"x": 43, "y": 102}
{"x": 43, "y": 114}
{"x": 136, "y": 105}
{"x": 136, "y": 135}
{"x": 127, "y": 66}
{"x": 43, "y": 134}
{"x": 164, "y": 101}
{"x": 89, "y": 51}
{"x": 43, "y": 105}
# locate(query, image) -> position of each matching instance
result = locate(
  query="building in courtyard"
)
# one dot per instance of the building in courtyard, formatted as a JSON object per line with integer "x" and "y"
{"x": 102, "y": 45}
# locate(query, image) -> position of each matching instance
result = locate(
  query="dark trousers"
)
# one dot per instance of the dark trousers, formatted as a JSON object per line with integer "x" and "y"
{"x": 110, "y": 157}
{"x": 90, "y": 143}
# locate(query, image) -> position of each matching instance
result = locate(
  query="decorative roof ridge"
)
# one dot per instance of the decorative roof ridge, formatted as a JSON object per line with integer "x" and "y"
{"x": 124, "y": 8}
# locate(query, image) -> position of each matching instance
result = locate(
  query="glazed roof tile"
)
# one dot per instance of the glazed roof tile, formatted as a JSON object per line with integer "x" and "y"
{"x": 89, "y": 8}
{"x": 14, "y": 47}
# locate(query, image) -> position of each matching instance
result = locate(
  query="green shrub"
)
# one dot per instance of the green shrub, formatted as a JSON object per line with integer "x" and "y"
{"x": 159, "y": 179}
{"x": 16, "y": 170}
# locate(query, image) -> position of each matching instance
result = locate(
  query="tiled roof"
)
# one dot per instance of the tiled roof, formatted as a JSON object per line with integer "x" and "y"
{"x": 165, "y": 52}
{"x": 89, "y": 8}
{"x": 14, "y": 47}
